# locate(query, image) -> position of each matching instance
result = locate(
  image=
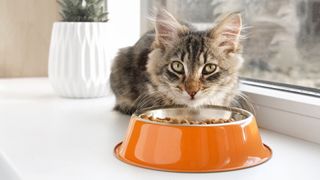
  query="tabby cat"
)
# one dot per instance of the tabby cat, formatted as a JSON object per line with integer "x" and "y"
{"x": 177, "y": 65}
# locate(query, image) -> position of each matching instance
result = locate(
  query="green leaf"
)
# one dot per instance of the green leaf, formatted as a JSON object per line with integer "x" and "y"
{"x": 103, "y": 17}
{"x": 61, "y": 4}
{"x": 72, "y": 10}
{"x": 99, "y": 2}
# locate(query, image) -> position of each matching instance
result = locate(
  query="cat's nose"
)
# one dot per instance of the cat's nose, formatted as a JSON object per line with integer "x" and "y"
{"x": 192, "y": 94}
{"x": 192, "y": 87}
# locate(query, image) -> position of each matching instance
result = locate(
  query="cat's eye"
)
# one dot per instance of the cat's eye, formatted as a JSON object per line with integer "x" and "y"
{"x": 177, "y": 67}
{"x": 208, "y": 69}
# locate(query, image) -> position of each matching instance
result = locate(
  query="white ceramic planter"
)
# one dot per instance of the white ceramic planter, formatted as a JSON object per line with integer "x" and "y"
{"x": 78, "y": 64}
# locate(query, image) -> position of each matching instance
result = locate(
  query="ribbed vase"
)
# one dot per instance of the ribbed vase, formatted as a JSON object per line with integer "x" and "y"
{"x": 78, "y": 64}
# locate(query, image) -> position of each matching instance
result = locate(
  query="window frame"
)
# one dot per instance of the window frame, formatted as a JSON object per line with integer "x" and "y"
{"x": 287, "y": 109}
{"x": 286, "y": 112}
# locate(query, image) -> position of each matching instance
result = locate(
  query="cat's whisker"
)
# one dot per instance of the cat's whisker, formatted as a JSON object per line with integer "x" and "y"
{"x": 244, "y": 102}
{"x": 150, "y": 100}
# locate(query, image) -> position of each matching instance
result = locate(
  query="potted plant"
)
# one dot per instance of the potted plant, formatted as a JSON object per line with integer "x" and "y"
{"x": 77, "y": 56}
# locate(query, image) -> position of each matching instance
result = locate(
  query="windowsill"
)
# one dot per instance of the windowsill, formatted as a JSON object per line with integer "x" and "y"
{"x": 47, "y": 137}
{"x": 288, "y": 113}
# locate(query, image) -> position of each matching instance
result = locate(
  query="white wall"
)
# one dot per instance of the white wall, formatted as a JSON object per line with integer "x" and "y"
{"x": 124, "y": 24}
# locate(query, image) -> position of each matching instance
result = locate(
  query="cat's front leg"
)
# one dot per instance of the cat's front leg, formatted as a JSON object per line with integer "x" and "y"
{"x": 125, "y": 105}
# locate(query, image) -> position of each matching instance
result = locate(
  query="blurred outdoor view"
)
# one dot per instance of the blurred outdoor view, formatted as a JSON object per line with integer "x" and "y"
{"x": 283, "y": 36}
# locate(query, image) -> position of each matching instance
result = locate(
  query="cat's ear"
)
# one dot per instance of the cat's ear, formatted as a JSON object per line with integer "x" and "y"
{"x": 167, "y": 29}
{"x": 226, "y": 34}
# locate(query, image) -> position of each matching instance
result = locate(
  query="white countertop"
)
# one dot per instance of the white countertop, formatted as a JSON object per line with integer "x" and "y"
{"x": 50, "y": 138}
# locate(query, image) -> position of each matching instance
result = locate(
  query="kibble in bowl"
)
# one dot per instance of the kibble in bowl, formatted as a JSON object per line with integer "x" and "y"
{"x": 207, "y": 139}
{"x": 189, "y": 116}
{"x": 168, "y": 120}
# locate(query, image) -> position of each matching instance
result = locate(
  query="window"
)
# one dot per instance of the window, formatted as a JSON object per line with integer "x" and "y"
{"x": 283, "y": 36}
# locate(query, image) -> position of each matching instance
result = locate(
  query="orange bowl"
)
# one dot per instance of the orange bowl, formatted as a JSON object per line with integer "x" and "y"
{"x": 193, "y": 148}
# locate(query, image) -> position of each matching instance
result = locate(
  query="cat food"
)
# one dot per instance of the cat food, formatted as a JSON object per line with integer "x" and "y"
{"x": 169, "y": 120}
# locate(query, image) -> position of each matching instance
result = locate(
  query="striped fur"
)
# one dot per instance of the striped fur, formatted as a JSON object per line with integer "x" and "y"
{"x": 144, "y": 74}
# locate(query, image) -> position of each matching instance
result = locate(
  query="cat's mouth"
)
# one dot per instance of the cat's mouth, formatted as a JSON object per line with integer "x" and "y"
{"x": 181, "y": 96}
{"x": 192, "y": 99}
